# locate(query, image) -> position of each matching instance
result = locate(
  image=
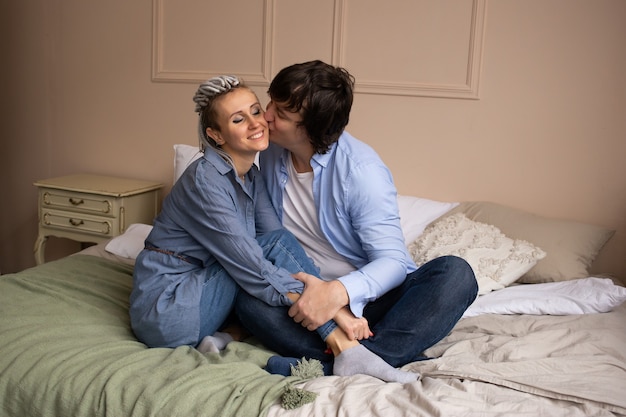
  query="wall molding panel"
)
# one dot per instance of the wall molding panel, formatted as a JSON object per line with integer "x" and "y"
{"x": 419, "y": 31}
{"x": 419, "y": 48}
{"x": 222, "y": 50}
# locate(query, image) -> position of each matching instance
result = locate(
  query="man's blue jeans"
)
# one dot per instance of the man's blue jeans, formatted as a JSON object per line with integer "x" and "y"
{"x": 219, "y": 291}
{"x": 405, "y": 321}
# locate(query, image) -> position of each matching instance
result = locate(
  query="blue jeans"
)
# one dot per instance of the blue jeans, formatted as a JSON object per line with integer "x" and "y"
{"x": 405, "y": 321}
{"x": 219, "y": 291}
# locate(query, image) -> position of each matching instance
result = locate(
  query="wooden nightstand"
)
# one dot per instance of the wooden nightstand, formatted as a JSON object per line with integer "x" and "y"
{"x": 92, "y": 208}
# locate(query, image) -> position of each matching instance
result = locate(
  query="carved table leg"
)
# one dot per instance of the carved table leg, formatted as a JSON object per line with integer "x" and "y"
{"x": 40, "y": 248}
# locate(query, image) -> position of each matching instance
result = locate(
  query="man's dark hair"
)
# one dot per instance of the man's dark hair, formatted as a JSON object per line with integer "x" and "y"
{"x": 323, "y": 95}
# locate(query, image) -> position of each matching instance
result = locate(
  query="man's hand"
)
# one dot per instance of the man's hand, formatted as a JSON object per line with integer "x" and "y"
{"x": 319, "y": 302}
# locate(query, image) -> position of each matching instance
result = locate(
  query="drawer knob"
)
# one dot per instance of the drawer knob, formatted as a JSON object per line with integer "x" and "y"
{"x": 75, "y": 222}
{"x": 76, "y": 201}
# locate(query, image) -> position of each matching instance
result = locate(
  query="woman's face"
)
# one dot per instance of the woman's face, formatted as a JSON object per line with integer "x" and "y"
{"x": 243, "y": 129}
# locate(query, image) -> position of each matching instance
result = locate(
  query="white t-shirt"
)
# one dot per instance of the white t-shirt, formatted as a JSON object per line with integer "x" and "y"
{"x": 300, "y": 218}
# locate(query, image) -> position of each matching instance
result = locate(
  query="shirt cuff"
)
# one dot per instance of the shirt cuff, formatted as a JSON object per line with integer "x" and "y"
{"x": 356, "y": 291}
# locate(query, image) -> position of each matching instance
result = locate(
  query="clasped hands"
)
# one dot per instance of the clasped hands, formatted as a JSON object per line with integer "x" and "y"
{"x": 321, "y": 301}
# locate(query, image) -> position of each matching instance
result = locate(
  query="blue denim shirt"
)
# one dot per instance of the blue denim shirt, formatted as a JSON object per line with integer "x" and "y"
{"x": 210, "y": 216}
{"x": 357, "y": 208}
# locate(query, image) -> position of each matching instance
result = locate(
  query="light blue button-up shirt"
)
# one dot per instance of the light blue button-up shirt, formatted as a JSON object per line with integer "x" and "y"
{"x": 357, "y": 209}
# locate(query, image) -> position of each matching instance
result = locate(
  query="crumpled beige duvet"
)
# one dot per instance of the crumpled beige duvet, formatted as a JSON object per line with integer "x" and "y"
{"x": 497, "y": 365}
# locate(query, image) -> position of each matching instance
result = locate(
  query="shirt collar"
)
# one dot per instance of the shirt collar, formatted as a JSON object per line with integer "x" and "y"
{"x": 218, "y": 162}
{"x": 323, "y": 158}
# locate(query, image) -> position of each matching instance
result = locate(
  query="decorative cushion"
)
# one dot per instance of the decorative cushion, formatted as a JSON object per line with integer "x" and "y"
{"x": 184, "y": 155}
{"x": 416, "y": 213}
{"x": 571, "y": 246}
{"x": 497, "y": 260}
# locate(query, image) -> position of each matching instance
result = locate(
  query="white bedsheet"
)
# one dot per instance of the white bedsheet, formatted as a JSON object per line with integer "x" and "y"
{"x": 580, "y": 296}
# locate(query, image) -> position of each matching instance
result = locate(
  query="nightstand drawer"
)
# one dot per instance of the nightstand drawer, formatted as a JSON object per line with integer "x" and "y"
{"x": 64, "y": 220}
{"x": 80, "y": 202}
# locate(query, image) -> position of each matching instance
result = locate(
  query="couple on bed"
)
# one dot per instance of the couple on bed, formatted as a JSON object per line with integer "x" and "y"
{"x": 307, "y": 251}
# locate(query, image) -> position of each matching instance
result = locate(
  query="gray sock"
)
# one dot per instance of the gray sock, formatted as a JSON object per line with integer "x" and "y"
{"x": 360, "y": 360}
{"x": 214, "y": 343}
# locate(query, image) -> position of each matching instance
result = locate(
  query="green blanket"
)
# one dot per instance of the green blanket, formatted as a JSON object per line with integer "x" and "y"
{"x": 66, "y": 349}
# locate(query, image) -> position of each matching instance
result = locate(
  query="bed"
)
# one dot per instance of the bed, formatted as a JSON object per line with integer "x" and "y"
{"x": 543, "y": 338}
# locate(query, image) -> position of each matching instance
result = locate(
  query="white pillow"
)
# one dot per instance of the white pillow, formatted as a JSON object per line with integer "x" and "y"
{"x": 497, "y": 260}
{"x": 417, "y": 213}
{"x": 131, "y": 242}
{"x": 184, "y": 155}
{"x": 580, "y": 296}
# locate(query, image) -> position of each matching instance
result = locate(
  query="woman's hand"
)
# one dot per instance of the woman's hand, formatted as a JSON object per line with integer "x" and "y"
{"x": 355, "y": 328}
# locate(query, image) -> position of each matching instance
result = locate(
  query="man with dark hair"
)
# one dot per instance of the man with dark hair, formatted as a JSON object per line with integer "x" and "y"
{"x": 334, "y": 193}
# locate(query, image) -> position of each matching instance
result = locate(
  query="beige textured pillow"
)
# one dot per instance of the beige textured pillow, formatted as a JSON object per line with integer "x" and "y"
{"x": 571, "y": 247}
{"x": 497, "y": 260}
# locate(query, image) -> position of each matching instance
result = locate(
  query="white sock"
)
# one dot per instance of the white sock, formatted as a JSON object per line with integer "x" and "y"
{"x": 214, "y": 343}
{"x": 360, "y": 360}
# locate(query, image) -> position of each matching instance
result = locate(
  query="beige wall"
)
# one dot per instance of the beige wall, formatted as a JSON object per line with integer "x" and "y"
{"x": 535, "y": 119}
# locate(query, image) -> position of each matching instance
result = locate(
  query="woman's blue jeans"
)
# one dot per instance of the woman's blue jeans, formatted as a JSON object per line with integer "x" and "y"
{"x": 220, "y": 291}
{"x": 405, "y": 321}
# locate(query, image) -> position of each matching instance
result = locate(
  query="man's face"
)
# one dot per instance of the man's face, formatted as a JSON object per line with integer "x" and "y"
{"x": 284, "y": 126}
